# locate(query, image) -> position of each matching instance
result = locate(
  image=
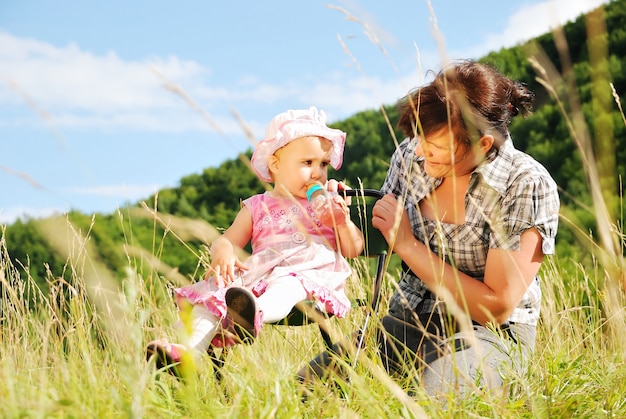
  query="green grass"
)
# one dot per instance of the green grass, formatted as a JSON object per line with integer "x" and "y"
{"x": 77, "y": 353}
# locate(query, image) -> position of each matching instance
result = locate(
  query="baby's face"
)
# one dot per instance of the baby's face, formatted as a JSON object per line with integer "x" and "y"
{"x": 303, "y": 161}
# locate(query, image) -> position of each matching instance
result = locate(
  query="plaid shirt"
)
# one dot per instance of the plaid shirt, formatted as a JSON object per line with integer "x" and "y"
{"x": 508, "y": 193}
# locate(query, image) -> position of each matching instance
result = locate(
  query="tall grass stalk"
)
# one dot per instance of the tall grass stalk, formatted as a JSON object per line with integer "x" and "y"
{"x": 78, "y": 350}
{"x": 599, "y": 164}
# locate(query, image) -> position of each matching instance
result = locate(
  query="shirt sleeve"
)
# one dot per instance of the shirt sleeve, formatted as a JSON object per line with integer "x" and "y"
{"x": 531, "y": 202}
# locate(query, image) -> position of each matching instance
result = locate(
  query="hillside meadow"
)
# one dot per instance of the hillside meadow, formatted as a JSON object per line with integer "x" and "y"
{"x": 73, "y": 336}
{"x": 80, "y": 352}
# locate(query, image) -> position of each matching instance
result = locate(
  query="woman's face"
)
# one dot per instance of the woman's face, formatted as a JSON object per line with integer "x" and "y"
{"x": 444, "y": 156}
{"x": 298, "y": 164}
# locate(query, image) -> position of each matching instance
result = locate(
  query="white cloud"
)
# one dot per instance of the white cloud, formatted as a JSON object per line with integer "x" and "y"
{"x": 535, "y": 20}
{"x": 113, "y": 193}
{"x": 77, "y": 89}
{"x": 341, "y": 99}
{"x": 70, "y": 78}
{"x": 11, "y": 215}
{"x": 130, "y": 192}
{"x": 74, "y": 88}
{"x": 120, "y": 193}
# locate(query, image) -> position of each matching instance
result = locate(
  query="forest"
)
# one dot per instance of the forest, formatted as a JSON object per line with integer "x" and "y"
{"x": 175, "y": 225}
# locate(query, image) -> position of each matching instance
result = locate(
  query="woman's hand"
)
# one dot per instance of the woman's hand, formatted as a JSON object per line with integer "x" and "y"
{"x": 508, "y": 273}
{"x": 389, "y": 216}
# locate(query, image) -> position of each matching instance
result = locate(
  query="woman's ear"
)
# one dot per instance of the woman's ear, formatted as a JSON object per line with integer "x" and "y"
{"x": 486, "y": 143}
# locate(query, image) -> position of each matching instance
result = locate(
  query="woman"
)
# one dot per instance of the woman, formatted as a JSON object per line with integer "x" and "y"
{"x": 471, "y": 218}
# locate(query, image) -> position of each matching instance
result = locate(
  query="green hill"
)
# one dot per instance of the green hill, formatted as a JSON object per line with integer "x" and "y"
{"x": 166, "y": 238}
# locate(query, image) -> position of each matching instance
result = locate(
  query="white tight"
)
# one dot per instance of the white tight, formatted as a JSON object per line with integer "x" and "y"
{"x": 279, "y": 298}
{"x": 203, "y": 328}
{"x": 281, "y": 295}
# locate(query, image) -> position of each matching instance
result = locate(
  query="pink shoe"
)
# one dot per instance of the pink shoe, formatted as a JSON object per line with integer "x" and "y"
{"x": 242, "y": 309}
{"x": 167, "y": 356}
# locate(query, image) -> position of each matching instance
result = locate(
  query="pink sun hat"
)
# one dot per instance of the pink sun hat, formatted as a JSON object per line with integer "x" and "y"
{"x": 293, "y": 124}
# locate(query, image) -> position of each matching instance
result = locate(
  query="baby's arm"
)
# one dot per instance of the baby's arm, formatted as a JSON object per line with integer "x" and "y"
{"x": 224, "y": 261}
{"x": 351, "y": 240}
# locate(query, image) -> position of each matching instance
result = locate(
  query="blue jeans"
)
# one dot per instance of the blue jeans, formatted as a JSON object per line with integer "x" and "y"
{"x": 443, "y": 358}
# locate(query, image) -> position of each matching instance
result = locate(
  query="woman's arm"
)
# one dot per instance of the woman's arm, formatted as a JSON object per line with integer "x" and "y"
{"x": 507, "y": 273}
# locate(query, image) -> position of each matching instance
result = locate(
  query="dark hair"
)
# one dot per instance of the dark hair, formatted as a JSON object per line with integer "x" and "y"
{"x": 473, "y": 98}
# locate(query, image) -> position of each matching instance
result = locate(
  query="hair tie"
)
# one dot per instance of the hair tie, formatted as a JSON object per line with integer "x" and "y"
{"x": 514, "y": 110}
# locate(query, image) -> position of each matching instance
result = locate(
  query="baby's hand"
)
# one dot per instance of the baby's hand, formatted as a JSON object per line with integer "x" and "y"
{"x": 339, "y": 203}
{"x": 337, "y": 186}
{"x": 341, "y": 210}
{"x": 224, "y": 270}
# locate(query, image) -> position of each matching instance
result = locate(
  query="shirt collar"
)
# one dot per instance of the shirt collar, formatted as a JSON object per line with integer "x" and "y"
{"x": 497, "y": 166}
{"x": 494, "y": 170}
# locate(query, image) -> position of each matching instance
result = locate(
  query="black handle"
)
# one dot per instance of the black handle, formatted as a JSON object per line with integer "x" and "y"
{"x": 362, "y": 192}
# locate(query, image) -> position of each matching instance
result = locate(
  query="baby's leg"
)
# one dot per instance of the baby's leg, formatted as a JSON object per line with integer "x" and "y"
{"x": 281, "y": 295}
{"x": 203, "y": 327}
{"x": 178, "y": 357}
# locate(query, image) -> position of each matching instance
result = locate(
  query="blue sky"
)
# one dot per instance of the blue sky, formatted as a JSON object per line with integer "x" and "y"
{"x": 104, "y": 103}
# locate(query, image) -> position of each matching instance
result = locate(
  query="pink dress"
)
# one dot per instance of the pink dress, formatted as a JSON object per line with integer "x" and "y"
{"x": 286, "y": 241}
